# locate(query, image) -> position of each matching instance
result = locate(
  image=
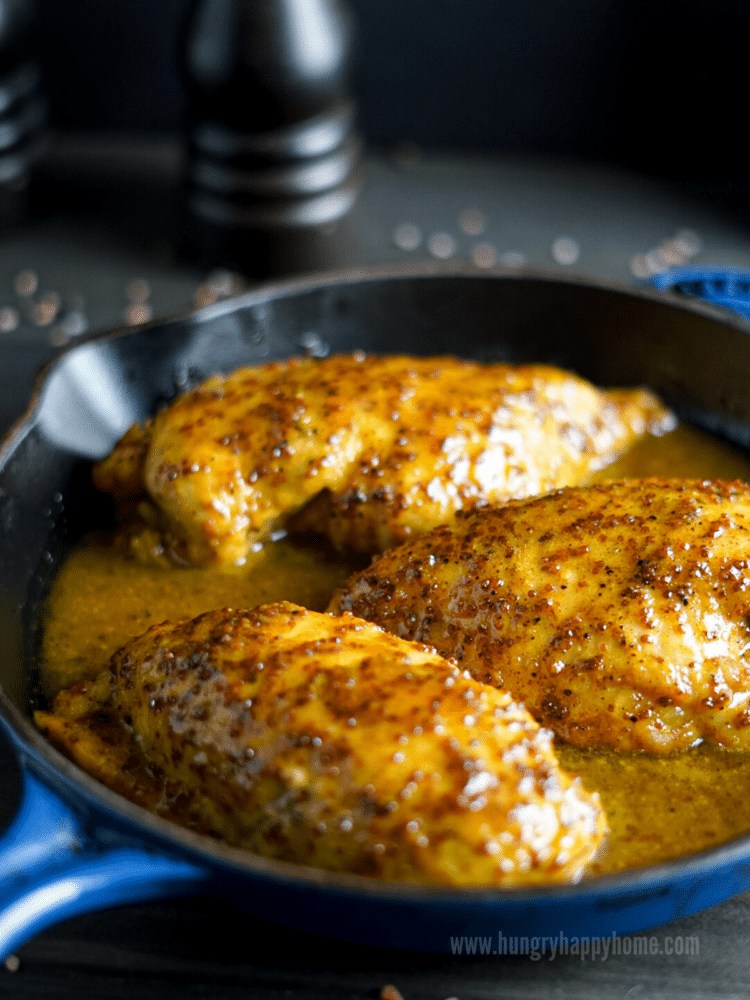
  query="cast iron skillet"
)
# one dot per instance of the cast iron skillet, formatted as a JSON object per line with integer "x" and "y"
{"x": 74, "y": 846}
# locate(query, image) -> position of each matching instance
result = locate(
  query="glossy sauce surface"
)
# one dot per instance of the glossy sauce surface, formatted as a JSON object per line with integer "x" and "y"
{"x": 657, "y": 808}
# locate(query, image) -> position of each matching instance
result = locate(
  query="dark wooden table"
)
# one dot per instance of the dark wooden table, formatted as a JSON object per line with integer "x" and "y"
{"x": 101, "y": 246}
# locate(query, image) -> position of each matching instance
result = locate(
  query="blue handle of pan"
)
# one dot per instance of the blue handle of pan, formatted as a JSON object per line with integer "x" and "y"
{"x": 51, "y": 869}
{"x": 722, "y": 286}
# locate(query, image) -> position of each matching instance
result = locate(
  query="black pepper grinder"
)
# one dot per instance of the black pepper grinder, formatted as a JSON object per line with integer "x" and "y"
{"x": 272, "y": 154}
{"x": 23, "y": 109}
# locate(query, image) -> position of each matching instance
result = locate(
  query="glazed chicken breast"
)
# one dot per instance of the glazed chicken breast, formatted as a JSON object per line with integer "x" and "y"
{"x": 619, "y": 614}
{"x": 365, "y": 450}
{"x": 326, "y": 741}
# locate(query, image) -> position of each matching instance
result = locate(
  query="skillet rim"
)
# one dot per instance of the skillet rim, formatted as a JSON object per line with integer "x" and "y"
{"x": 34, "y": 752}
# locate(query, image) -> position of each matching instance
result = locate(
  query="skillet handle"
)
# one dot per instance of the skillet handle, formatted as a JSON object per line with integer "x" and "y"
{"x": 722, "y": 286}
{"x": 50, "y": 869}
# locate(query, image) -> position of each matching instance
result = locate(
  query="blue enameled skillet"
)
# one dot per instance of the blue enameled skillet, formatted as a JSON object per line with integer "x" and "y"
{"x": 75, "y": 846}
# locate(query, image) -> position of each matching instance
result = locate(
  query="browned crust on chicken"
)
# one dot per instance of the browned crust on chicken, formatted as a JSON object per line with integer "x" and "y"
{"x": 619, "y": 614}
{"x": 381, "y": 448}
{"x": 329, "y": 742}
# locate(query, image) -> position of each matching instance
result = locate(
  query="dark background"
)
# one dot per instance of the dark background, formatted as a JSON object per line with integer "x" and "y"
{"x": 662, "y": 90}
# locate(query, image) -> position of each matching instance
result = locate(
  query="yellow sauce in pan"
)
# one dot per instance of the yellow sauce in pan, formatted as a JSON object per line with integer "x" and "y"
{"x": 658, "y": 808}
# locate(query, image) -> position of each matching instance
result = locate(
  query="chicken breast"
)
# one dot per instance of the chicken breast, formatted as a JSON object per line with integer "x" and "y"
{"x": 378, "y": 448}
{"x": 326, "y": 741}
{"x": 619, "y": 614}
